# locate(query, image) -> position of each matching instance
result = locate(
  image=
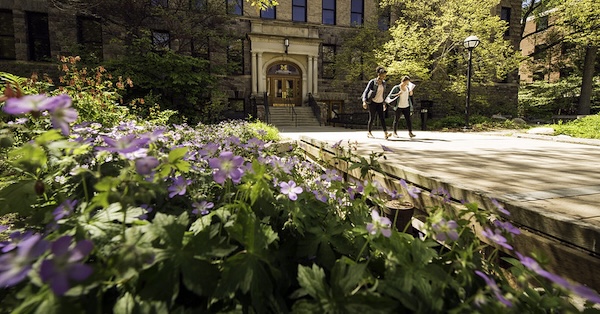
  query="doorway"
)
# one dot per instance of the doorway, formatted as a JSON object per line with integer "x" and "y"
{"x": 284, "y": 84}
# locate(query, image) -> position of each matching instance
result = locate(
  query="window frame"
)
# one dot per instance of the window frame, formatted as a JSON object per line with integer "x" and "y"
{"x": 326, "y": 63}
{"x": 331, "y": 10}
{"x": 299, "y": 6}
{"x": 7, "y": 37}
{"x": 541, "y": 23}
{"x": 89, "y": 46}
{"x": 506, "y": 15}
{"x": 268, "y": 17}
{"x": 354, "y": 12}
{"x": 159, "y": 3}
{"x": 37, "y": 40}
{"x": 155, "y": 42}
{"x": 239, "y": 59}
{"x": 235, "y": 7}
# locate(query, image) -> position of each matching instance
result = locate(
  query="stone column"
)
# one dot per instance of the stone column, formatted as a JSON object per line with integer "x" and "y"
{"x": 315, "y": 75}
{"x": 311, "y": 59}
{"x": 254, "y": 74}
{"x": 259, "y": 73}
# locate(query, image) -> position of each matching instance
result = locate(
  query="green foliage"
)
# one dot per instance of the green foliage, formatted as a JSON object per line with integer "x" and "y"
{"x": 181, "y": 82}
{"x": 281, "y": 234}
{"x": 586, "y": 127}
{"x": 541, "y": 100}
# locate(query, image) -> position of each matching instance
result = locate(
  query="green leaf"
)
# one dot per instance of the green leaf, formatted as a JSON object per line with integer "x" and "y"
{"x": 347, "y": 274}
{"x": 49, "y": 136}
{"x": 18, "y": 197}
{"x": 29, "y": 156}
{"x": 312, "y": 282}
{"x": 177, "y": 154}
{"x": 251, "y": 233}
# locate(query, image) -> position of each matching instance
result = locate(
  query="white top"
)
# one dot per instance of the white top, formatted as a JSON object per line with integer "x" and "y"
{"x": 403, "y": 97}
{"x": 379, "y": 94}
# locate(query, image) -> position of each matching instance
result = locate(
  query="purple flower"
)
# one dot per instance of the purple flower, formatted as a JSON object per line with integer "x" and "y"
{"x": 386, "y": 149}
{"x": 580, "y": 290}
{"x": 65, "y": 209}
{"x": 491, "y": 283}
{"x": 202, "y": 207}
{"x": 320, "y": 195}
{"x": 254, "y": 144}
{"x": 446, "y": 230}
{"x": 412, "y": 191}
{"x": 337, "y": 145}
{"x": 331, "y": 175}
{"x": 27, "y": 104}
{"x": 442, "y": 193}
{"x": 507, "y": 226}
{"x": 66, "y": 265}
{"x": 16, "y": 264}
{"x": 145, "y": 165}
{"x": 179, "y": 186}
{"x": 61, "y": 112}
{"x": 290, "y": 189}
{"x": 3, "y": 228}
{"x": 500, "y": 207}
{"x": 125, "y": 144}
{"x": 227, "y": 166}
{"x": 379, "y": 224}
{"x": 496, "y": 237}
{"x": 209, "y": 150}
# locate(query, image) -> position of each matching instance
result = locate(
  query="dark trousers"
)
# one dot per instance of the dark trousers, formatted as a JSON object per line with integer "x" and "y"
{"x": 376, "y": 108}
{"x": 406, "y": 113}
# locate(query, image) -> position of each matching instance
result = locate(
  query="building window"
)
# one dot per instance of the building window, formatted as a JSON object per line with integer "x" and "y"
{"x": 89, "y": 36}
{"x": 161, "y": 40}
{"x": 538, "y": 76}
{"x": 200, "y": 50}
{"x": 540, "y": 52}
{"x": 235, "y": 57}
{"x": 160, "y": 3}
{"x": 505, "y": 16}
{"x": 541, "y": 23}
{"x": 357, "y": 60}
{"x": 268, "y": 13}
{"x": 385, "y": 19}
{"x": 329, "y": 12}
{"x": 235, "y": 7}
{"x": 299, "y": 10}
{"x": 357, "y": 12}
{"x": 198, "y": 5}
{"x": 38, "y": 36}
{"x": 328, "y": 59}
{"x": 7, "y": 35}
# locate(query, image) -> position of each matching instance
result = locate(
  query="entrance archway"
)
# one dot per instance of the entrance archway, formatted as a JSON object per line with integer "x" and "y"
{"x": 284, "y": 84}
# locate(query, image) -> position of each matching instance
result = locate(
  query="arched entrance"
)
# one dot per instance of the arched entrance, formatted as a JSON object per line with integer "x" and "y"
{"x": 284, "y": 84}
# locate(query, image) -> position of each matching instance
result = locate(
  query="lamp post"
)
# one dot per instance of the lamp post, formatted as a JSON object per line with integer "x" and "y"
{"x": 286, "y": 43}
{"x": 470, "y": 43}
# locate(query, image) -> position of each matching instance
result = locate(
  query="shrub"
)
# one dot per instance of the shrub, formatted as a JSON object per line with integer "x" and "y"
{"x": 212, "y": 219}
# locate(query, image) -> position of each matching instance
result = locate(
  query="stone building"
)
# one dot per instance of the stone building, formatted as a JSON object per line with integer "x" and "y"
{"x": 285, "y": 53}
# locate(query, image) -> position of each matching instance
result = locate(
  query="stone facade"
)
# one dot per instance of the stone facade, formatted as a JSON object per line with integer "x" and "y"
{"x": 263, "y": 48}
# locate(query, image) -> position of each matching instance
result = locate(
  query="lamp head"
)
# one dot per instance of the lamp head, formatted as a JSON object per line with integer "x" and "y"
{"x": 471, "y": 42}
{"x": 286, "y": 42}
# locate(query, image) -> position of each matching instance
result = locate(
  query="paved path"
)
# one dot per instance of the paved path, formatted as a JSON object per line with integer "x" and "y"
{"x": 551, "y": 185}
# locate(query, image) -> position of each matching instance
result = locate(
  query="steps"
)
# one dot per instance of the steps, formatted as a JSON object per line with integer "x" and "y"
{"x": 283, "y": 117}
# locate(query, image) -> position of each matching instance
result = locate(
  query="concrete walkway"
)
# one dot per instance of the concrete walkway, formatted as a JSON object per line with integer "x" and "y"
{"x": 551, "y": 185}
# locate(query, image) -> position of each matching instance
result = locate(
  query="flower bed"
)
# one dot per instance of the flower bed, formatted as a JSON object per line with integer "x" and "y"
{"x": 217, "y": 218}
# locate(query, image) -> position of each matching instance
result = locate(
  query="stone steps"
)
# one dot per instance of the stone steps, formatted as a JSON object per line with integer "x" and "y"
{"x": 284, "y": 117}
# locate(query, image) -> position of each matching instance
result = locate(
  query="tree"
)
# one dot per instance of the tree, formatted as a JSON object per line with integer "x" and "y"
{"x": 426, "y": 42}
{"x": 580, "y": 21}
{"x": 576, "y": 23}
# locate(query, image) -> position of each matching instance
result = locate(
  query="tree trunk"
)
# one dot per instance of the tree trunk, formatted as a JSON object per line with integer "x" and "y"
{"x": 586, "y": 82}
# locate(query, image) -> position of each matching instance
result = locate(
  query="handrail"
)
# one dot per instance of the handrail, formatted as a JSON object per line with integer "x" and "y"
{"x": 315, "y": 108}
{"x": 292, "y": 111}
{"x": 266, "y": 103}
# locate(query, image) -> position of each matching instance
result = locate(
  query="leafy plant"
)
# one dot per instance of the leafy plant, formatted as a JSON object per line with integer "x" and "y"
{"x": 213, "y": 218}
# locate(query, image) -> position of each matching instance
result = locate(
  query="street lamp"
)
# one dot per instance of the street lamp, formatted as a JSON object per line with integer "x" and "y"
{"x": 470, "y": 43}
{"x": 286, "y": 43}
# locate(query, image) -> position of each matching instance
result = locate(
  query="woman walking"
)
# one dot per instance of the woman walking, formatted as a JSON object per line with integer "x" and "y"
{"x": 372, "y": 99}
{"x": 398, "y": 99}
